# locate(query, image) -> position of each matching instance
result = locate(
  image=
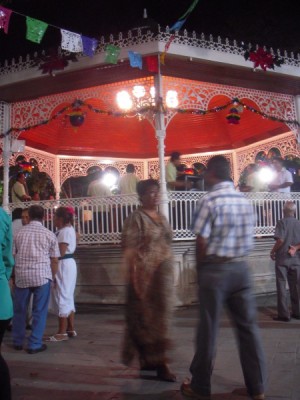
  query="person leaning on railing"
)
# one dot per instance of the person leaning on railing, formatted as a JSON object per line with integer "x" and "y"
{"x": 172, "y": 174}
{"x": 19, "y": 191}
{"x": 281, "y": 184}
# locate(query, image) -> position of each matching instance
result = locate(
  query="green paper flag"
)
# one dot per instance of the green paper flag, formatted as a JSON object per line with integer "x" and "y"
{"x": 112, "y": 54}
{"x": 190, "y": 9}
{"x": 35, "y": 29}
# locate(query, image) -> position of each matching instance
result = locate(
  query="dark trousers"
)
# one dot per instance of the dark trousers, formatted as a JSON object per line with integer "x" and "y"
{"x": 5, "y": 389}
{"x": 290, "y": 275}
{"x": 227, "y": 284}
{"x": 41, "y": 296}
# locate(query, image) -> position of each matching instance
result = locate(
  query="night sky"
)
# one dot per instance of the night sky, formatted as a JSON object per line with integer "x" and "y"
{"x": 265, "y": 22}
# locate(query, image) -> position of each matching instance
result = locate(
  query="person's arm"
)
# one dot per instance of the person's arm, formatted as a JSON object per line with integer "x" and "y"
{"x": 281, "y": 186}
{"x": 7, "y": 253}
{"x": 276, "y": 247}
{"x": 54, "y": 266}
{"x": 54, "y": 254}
{"x": 293, "y": 249}
{"x": 62, "y": 248}
{"x": 201, "y": 246}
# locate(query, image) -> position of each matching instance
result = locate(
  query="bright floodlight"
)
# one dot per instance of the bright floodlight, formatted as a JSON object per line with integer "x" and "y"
{"x": 109, "y": 179}
{"x": 123, "y": 100}
{"x": 152, "y": 92}
{"x": 172, "y": 99}
{"x": 138, "y": 91}
{"x": 266, "y": 175}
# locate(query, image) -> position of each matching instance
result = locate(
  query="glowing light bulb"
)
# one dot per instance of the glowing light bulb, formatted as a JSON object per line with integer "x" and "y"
{"x": 124, "y": 101}
{"x": 172, "y": 99}
{"x": 138, "y": 91}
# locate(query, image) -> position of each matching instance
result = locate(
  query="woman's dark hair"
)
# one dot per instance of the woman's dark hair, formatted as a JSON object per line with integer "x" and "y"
{"x": 66, "y": 214}
{"x": 17, "y": 213}
{"x": 143, "y": 186}
{"x": 220, "y": 166}
{"x": 36, "y": 213}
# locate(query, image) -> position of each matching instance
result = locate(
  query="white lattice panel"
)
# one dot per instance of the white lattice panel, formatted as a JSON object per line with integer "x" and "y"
{"x": 188, "y": 160}
{"x": 287, "y": 145}
{"x": 69, "y": 167}
{"x": 28, "y": 113}
{"x": 197, "y": 95}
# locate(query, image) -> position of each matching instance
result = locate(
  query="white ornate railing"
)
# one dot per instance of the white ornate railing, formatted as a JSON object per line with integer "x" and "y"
{"x": 145, "y": 35}
{"x": 100, "y": 220}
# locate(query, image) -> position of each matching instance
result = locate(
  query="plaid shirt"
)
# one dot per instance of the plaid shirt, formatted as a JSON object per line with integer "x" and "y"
{"x": 33, "y": 246}
{"x": 224, "y": 217}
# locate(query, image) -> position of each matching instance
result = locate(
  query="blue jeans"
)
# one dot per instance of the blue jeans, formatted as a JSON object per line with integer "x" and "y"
{"x": 39, "y": 314}
{"x": 227, "y": 284}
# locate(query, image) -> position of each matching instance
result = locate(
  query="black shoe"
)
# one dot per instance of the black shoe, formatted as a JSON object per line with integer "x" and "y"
{"x": 34, "y": 351}
{"x": 28, "y": 327}
{"x": 18, "y": 347}
{"x": 295, "y": 316}
{"x": 9, "y": 328}
{"x": 283, "y": 319}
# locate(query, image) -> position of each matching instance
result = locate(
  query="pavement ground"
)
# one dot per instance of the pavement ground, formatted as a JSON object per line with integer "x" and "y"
{"x": 88, "y": 367}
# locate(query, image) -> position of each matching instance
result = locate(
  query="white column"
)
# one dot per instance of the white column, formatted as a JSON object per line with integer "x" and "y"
{"x": 56, "y": 182}
{"x": 235, "y": 169}
{"x": 297, "y": 106}
{"x": 160, "y": 130}
{"x": 6, "y": 154}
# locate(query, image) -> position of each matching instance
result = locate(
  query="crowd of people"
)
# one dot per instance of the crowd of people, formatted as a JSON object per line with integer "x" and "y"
{"x": 45, "y": 270}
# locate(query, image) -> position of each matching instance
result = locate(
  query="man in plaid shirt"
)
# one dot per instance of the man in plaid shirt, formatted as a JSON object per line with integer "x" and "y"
{"x": 223, "y": 222}
{"x": 36, "y": 254}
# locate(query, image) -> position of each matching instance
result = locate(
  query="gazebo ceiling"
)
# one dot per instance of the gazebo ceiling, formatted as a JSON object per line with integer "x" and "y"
{"x": 104, "y": 135}
{"x": 110, "y": 136}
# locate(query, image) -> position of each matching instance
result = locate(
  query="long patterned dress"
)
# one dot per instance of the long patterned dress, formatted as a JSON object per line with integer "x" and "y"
{"x": 150, "y": 289}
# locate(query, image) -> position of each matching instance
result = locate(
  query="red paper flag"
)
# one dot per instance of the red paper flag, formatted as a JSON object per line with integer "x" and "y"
{"x": 152, "y": 63}
{"x": 5, "y": 14}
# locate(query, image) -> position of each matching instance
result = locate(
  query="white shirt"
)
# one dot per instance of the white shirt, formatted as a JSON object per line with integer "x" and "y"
{"x": 67, "y": 235}
{"x": 17, "y": 191}
{"x": 16, "y": 226}
{"x": 128, "y": 183}
{"x": 283, "y": 176}
{"x": 171, "y": 174}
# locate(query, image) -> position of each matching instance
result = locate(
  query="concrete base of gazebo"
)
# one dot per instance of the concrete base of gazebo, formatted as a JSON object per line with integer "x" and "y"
{"x": 101, "y": 278}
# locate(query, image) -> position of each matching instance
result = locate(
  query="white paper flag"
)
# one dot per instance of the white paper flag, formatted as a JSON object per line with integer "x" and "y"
{"x": 71, "y": 41}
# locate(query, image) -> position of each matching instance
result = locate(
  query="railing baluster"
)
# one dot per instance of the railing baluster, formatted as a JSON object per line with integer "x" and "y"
{"x": 100, "y": 220}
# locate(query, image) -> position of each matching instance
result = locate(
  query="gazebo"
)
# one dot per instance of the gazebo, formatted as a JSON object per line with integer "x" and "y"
{"x": 200, "y": 84}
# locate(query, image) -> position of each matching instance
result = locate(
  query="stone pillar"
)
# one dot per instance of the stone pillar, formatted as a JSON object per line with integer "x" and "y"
{"x": 5, "y": 118}
{"x": 160, "y": 130}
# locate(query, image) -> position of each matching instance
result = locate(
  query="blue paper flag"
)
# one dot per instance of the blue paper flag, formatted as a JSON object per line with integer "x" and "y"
{"x": 135, "y": 59}
{"x": 178, "y": 25}
{"x": 89, "y": 45}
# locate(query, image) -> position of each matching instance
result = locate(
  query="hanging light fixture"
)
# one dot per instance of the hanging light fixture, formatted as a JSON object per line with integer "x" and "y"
{"x": 142, "y": 100}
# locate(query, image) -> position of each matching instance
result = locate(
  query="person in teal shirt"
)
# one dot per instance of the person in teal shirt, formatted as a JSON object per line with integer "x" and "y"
{"x": 6, "y": 306}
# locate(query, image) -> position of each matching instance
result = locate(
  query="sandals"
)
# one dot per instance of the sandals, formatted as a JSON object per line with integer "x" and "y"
{"x": 58, "y": 337}
{"x": 71, "y": 334}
